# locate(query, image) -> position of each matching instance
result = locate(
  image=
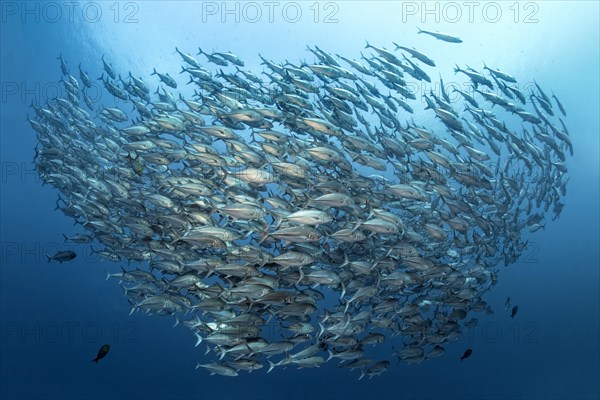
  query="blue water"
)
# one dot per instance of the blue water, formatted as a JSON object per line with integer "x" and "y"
{"x": 55, "y": 317}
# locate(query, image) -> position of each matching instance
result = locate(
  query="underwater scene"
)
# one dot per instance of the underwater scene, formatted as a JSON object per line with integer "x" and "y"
{"x": 300, "y": 200}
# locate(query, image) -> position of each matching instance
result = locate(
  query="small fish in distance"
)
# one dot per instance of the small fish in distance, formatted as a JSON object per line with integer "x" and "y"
{"x": 102, "y": 353}
{"x": 467, "y": 354}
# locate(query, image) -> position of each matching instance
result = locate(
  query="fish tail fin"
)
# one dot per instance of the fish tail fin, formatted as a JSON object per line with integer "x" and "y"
{"x": 271, "y": 366}
{"x": 420, "y": 30}
{"x": 95, "y": 360}
{"x": 221, "y": 289}
{"x": 301, "y": 276}
{"x": 198, "y": 339}
{"x": 367, "y": 45}
{"x": 263, "y": 236}
{"x": 65, "y": 236}
{"x": 346, "y": 260}
{"x": 154, "y": 72}
{"x": 456, "y": 68}
{"x": 49, "y": 258}
{"x": 330, "y": 355}
{"x": 199, "y": 51}
{"x": 177, "y": 238}
{"x": 222, "y": 351}
{"x": 377, "y": 263}
{"x": 35, "y": 158}
{"x": 359, "y": 223}
{"x": 321, "y": 330}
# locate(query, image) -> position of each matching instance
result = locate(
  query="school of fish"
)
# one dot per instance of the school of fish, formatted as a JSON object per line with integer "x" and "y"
{"x": 302, "y": 215}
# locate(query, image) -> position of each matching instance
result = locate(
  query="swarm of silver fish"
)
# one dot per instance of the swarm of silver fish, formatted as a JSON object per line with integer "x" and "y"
{"x": 304, "y": 216}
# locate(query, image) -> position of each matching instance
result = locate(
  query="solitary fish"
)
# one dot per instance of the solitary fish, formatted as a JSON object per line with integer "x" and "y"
{"x": 514, "y": 311}
{"x": 62, "y": 256}
{"x": 560, "y": 106}
{"x": 467, "y": 354}
{"x": 507, "y": 304}
{"x": 442, "y": 36}
{"x": 63, "y": 66}
{"x": 102, "y": 353}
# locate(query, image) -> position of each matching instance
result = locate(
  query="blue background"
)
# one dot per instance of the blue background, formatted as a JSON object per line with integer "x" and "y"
{"x": 55, "y": 316}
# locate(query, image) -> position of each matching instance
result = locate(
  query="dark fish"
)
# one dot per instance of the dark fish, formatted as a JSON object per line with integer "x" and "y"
{"x": 466, "y": 354}
{"x": 62, "y": 256}
{"x": 102, "y": 353}
{"x": 63, "y": 66}
{"x": 514, "y": 311}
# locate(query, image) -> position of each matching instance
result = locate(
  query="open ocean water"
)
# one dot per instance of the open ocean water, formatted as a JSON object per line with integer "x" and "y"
{"x": 55, "y": 316}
